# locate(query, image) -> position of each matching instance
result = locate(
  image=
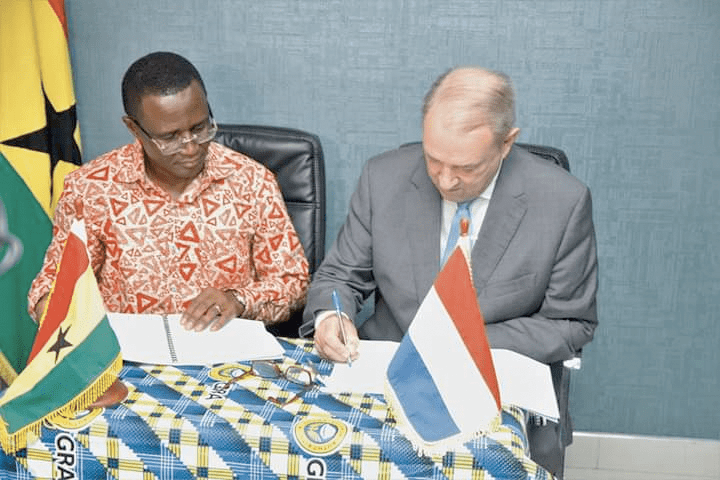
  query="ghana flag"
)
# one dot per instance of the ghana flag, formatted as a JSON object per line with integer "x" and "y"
{"x": 39, "y": 144}
{"x": 75, "y": 356}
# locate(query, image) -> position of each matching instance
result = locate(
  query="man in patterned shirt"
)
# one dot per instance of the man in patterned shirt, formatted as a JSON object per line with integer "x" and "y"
{"x": 177, "y": 223}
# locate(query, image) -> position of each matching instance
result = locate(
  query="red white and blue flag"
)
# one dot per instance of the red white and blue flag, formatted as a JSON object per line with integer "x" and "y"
{"x": 441, "y": 384}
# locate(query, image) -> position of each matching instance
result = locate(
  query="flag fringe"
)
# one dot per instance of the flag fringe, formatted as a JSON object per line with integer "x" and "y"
{"x": 12, "y": 442}
{"x": 431, "y": 449}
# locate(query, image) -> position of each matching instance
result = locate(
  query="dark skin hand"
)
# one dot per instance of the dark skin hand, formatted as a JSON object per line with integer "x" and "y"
{"x": 212, "y": 308}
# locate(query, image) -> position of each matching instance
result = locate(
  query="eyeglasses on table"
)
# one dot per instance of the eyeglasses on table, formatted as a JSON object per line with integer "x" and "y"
{"x": 270, "y": 370}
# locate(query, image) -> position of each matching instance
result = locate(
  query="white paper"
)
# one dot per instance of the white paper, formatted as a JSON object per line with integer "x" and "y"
{"x": 525, "y": 382}
{"x": 367, "y": 373}
{"x": 143, "y": 339}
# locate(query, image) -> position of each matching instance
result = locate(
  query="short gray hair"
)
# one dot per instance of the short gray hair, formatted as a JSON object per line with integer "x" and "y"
{"x": 487, "y": 92}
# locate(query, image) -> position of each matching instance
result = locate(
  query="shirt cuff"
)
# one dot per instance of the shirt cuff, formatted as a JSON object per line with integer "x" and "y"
{"x": 320, "y": 317}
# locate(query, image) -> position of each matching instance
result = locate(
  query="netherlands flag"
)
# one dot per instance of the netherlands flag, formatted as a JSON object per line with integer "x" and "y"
{"x": 441, "y": 384}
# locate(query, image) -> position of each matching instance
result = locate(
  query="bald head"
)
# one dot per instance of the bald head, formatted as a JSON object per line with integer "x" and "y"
{"x": 469, "y": 97}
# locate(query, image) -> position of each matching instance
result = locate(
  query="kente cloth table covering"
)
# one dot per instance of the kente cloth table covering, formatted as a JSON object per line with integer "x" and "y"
{"x": 184, "y": 422}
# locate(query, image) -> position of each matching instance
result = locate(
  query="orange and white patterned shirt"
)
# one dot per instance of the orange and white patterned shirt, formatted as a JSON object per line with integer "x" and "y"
{"x": 151, "y": 254}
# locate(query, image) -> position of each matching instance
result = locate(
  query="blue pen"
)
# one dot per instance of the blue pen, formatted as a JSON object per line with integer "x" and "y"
{"x": 339, "y": 313}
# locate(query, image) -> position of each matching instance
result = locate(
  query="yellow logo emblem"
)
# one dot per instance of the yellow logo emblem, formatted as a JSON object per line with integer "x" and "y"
{"x": 319, "y": 435}
{"x": 227, "y": 372}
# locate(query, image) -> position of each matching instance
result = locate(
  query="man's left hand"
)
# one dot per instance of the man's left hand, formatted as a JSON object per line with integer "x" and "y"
{"x": 212, "y": 308}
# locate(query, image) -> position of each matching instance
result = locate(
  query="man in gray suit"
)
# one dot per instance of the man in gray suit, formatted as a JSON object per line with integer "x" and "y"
{"x": 534, "y": 258}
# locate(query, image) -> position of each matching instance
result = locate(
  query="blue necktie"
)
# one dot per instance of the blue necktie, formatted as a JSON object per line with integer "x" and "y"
{"x": 462, "y": 212}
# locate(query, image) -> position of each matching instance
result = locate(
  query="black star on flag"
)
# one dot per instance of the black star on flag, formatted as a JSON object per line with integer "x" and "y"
{"x": 53, "y": 137}
{"x": 60, "y": 343}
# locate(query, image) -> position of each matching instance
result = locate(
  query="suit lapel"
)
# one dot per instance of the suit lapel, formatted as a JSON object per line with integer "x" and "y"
{"x": 423, "y": 214}
{"x": 505, "y": 212}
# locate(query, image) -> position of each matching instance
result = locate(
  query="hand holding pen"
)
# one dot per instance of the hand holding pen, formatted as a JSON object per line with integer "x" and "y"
{"x": 340, "y": 314}
{"x": 330, "y": 342}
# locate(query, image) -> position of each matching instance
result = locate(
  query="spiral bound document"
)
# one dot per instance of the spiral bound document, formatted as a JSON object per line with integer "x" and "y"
{"x": 169, "y": 338}
{"x": 160, "y": 339}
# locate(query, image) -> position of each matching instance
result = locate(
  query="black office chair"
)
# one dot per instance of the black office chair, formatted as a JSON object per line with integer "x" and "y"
{"x": 544, "y": 435}
{"x": 552, "y": 154}
{"x": 296, "y": 158}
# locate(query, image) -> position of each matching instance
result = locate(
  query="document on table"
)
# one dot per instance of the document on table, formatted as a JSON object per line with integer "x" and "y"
{"x": 523, "y": 381}
{"x": 160, "y": 339}
{"x": 367, "y": 373}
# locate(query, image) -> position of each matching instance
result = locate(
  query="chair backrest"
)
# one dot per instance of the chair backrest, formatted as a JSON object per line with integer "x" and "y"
{"x": 548, "y": 153}
{"x": 296, "y": 159}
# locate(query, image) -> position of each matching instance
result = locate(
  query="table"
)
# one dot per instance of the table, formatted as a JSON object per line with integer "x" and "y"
{"x": 185, "y": 422}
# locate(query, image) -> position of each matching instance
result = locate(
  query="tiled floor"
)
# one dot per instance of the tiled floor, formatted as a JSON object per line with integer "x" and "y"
{"x": 601, "y": 456}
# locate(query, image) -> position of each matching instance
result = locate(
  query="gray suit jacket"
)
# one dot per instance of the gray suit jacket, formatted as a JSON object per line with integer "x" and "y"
{"x": 534, "y": 262}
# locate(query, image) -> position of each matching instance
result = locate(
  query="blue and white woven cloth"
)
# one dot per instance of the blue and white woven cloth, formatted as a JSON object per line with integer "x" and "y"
{"x": 187, "y": 422}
